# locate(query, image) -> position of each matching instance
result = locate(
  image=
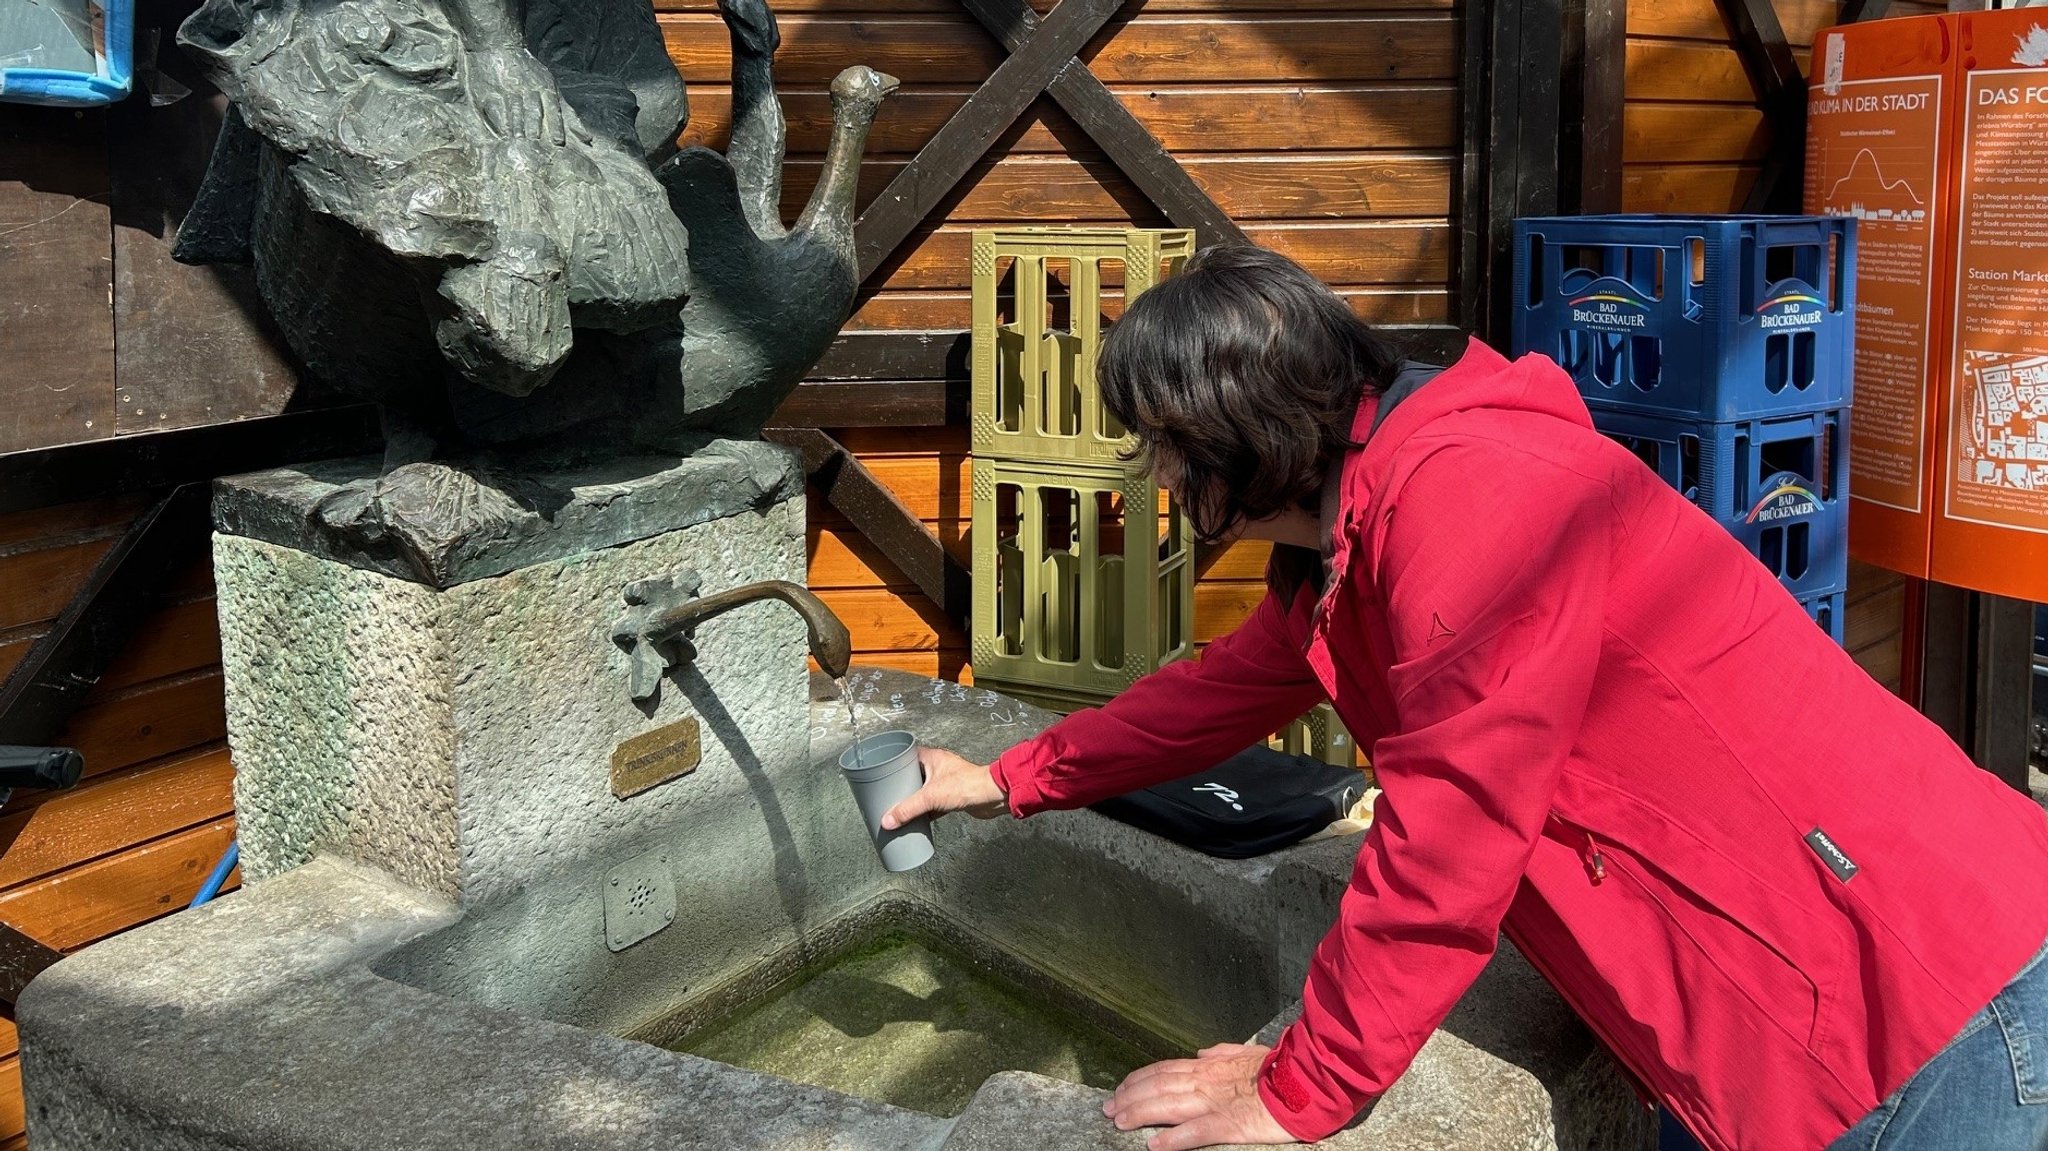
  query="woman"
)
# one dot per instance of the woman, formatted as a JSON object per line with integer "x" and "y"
{"x": 1786, "y": 902}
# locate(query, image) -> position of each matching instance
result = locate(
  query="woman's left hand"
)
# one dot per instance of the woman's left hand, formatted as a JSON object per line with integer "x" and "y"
{"x": 1210, "y": 1099}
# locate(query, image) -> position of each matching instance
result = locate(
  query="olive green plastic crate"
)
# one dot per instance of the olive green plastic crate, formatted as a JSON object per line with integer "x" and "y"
{"x": 1082, "y": 581}
{"x": 1319, "y": 734}
{"x": 1033, "y": 380}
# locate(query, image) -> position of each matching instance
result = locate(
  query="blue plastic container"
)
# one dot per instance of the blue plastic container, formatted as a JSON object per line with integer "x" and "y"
{"x": 1781, "y": 485}
{"x": 1713, "y": 318}
{"x": 1829, "y": 610}
{"x": 75, "y": 54}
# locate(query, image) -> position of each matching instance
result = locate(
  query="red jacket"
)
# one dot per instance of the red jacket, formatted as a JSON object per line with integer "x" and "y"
{"x": 1602, "y": 727}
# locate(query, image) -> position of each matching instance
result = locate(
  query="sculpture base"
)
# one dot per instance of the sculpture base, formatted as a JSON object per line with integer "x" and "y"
{"x": 444, "y": 523}
{"x": 467, "y": 733}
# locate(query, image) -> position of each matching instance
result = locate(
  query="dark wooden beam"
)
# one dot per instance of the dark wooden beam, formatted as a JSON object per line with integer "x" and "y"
{"x": 1594, "y": 57}
{"x": 1975, "y": 675}
{"x": 1781, "y": 91}
{"x": 937, "y": 354}
{"x": 1433, "y": 344}
{"x": 1513, "y": 103}
{"x": 965, "y": 138}
{"x": 22, "y": 958}
{"x": 1537, "y": 47}
{"x": 1777, "y": 183}
{"x": 100, "y": 468}
{"x": 918, "y": 379}
{"x": 1947, "y": 632}
{"x": 1761, "y": 46}
{"x": 853, "y": 491}
{"x": 2002, "y": 740}
{"x": 873, "y": 404}
{"x": 1133, "y": 149}
{"x": 1468, "y": 192}
{"x": 53, "y": 679}
{"x": 1141, "y": 158}
{"x": 1857, "y": 11}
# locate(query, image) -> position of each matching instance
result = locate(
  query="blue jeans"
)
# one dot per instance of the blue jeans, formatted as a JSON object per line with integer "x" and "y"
{"x": 1986, "y": 1091}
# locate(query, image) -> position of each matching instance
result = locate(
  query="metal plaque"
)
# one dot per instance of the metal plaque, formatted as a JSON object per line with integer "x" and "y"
{"x": 655, "y": 757}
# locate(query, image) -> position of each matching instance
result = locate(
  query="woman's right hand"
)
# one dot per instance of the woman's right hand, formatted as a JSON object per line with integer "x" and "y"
{"x": 950, "y": 784}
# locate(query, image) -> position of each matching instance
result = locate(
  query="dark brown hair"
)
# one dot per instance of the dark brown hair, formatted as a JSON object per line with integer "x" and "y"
{"x": 1244, "y": 373}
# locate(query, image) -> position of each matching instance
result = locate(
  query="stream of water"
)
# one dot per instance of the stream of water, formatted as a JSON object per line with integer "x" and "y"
{"x": 852, "y": 720}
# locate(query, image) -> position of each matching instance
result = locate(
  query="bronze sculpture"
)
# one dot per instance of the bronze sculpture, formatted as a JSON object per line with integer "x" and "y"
{"x": 473, "y": 213}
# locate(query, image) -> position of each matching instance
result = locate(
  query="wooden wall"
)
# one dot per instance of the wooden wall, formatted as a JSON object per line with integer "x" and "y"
{"x": 1325, "y": 128}
{"x": 1694, "y": 140}
{"x": 102, "y": 334}
{"x": 1693, "y": 136}
{"x": 136, "y": 838}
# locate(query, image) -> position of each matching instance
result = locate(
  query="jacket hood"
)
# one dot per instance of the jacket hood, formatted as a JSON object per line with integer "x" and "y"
{"x": 1481, "y": 378}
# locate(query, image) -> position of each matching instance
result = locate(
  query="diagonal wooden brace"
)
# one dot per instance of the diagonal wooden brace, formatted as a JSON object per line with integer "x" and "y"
{"x": 22, "y": 958}
{"x": 852, "y": 490}
{"x": 967, "y": 137}
{"x": 1133, "y": 149}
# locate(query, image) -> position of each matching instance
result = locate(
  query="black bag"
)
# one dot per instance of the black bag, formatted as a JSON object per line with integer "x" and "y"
{"x": 1257, "y": 801}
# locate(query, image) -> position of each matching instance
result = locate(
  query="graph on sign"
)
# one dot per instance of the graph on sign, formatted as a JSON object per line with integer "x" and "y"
{"x": 1868, "y": 194}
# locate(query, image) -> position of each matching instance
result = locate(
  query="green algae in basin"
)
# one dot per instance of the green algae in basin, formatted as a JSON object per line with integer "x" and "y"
{"x": 910, "y": 1022}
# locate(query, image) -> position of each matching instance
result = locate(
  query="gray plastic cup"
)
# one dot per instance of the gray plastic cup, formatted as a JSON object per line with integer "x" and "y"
{"x": 883, "y": 771}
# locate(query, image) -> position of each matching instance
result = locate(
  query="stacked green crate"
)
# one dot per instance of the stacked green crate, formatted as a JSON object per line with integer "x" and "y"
{"x": 1319, "y": 734}
{"x": 1083, "y": 573}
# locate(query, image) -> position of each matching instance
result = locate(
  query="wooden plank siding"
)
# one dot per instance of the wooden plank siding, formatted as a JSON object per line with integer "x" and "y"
{"x": 1694, "y": 140}
{"x": 1327, "y": 129}
{"x": 134, "y": 840}
{"x": 1693, "y": 135}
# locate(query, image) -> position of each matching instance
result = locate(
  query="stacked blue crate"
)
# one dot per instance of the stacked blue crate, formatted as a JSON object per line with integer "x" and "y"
{"x": 1718, "y": 349}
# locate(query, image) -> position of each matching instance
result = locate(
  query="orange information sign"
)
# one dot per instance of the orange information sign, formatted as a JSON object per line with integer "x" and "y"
{"x": 2000, "y": 406}
{"x": 1991, "y": 530}
{"x": 1873, "y": 152}
{"x": 1933, "y": 132}
{"x": 1877, "y": 149}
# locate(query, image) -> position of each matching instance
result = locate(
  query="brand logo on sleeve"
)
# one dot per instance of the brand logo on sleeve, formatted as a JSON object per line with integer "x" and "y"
{"x": 1437, "y": 628}
{"x": 1838, "y": 861}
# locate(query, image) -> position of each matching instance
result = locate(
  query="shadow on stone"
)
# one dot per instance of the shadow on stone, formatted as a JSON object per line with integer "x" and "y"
{"x": 791, "y": 885}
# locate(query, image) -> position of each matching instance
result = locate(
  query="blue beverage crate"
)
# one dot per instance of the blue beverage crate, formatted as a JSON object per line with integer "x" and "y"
{"x": 67, "y": 53}
{"x": 1711, "y": 318}
{"x": 1829, "y": 610}
{"x": 1781, "y": 486}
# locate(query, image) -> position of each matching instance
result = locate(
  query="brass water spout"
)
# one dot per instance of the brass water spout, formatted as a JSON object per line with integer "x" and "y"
{"x": 831, "y": 646}
{"x": 662, "y": 614}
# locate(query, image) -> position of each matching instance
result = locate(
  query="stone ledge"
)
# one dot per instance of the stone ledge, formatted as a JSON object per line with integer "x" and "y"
{"x": 508, "y": 520}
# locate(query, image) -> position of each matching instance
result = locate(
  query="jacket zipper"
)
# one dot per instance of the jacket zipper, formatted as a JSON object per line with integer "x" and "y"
{"x": 1590, "y": 855}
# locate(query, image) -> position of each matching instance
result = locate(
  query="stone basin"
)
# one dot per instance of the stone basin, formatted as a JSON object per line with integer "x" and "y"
{"x": 332, "y": 1007}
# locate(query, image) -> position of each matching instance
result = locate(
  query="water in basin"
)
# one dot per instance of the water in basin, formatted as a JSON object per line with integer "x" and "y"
{"x": 903, "y": 1018}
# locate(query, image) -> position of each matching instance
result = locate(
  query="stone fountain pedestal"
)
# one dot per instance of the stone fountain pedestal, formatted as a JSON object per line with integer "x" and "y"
{"x": 453, "y": 714}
